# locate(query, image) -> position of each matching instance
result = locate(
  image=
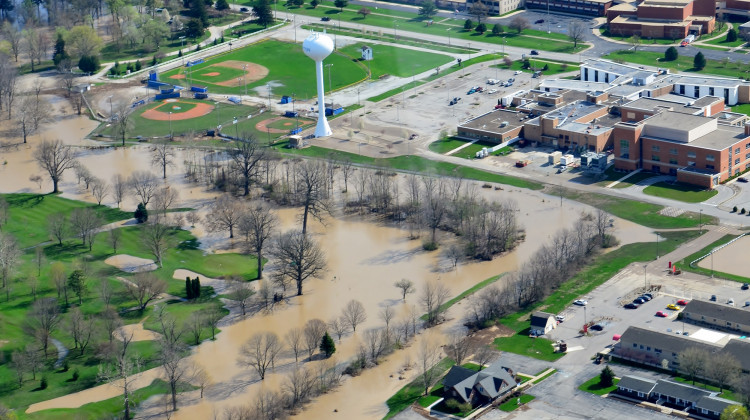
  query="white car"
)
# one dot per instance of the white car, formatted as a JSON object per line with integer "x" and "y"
{"x": 491, "y": 91}
{"x": 560, "y": 318}
{"x": 517, "y": 72}
{"x": 580, "y": 302}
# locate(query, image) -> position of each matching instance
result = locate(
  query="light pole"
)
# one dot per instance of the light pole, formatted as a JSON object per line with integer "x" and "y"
{"x": 449, "y": 36}
{"x": 645, "y": 283}
{"x": 244, "y": 69}
{"x": 269, "y": 96}
{"x": 395, "y": 36}
{"x": 548, "y": 31}
{"x": 657, "y": 245}
{"x": 296, "y": 127}
{"x": 700, "y": 219}
{"x": 182, "y": 45}
{"x": 712, "y": 262}
{"x": 504, "y": 42}
{"x": 218, "y": 118}
{"x": 496, "y": 65}
{"x": 171, "y": 135}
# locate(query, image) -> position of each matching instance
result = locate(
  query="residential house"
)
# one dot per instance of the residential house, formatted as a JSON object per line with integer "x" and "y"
{"x": 477, "y": 388}
{"x": 542, "y": 323}
{"x": 712, "y": 406}
{"x": 676, "y": 394}
{"x": 635, "y": 387}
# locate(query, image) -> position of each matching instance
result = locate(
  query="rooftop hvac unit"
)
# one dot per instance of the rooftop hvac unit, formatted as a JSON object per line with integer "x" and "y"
{"x": 504, "y": 124}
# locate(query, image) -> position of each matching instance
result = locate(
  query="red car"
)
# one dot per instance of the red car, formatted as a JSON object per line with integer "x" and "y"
{"x": 661, "y": 314}
{"x": 682, "y": 302}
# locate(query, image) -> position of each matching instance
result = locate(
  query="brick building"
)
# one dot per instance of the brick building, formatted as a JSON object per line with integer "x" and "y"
{"x": 671, "y": 19}
{"x": 579, "y": 7}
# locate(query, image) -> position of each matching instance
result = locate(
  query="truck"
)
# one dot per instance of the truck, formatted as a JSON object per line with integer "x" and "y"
{"x": 688, "y": 39}
{"x": 522, "y": 163}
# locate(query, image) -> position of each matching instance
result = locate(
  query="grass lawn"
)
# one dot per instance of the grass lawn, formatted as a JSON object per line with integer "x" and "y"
{"x": 683, "y": 63}
{"x": 289, "y": 68}
{"x": 680, "y": 192}
{"x": 512, "y": 403}
{"x": 644, "y": 41}
{"x": 413, "y": 391}
{"x": 727, "y": 393}
{"x": 140, "y": 52}
{"x": 207, "y": 75}
{"x": 396, "y": 21}
{"x": 473, "y": 366}
{"x": 223, "y": 113}
{"x": 411, "y": 163}
{"x": 612, "y": 175}
{"x": 484, "y": 283}
{"x": 110, "y": 408}
{"x": 553, "y": 67}
{"x": 469, "y": 152}
{"x": 395, "y": 61}
{"x": 246, "y": 27}
{"x": 446, "y": 145}
{"x": 435, "y": 394}
{"x": 28, "y": 213}
{"x": 722, "y": 40}
{"x": 521, "y": 343}
{"x": 742, "y": 109}
{"x": 594, "y": 386}
{"x": 645, "y": 214}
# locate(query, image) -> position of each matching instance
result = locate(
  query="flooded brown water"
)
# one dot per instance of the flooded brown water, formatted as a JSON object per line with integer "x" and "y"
{"x": 730, "y": 259}
{"x": 365, "y": 258}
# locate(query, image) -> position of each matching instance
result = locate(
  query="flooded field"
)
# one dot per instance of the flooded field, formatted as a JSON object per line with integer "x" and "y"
{"x": 730, "y": 259}
{"x": 365, "y": 257}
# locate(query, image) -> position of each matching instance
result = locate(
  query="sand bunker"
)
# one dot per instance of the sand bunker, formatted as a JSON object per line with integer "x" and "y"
{"x": 139, "y": 333}
{"x": 220, "y": 286}
{"x": 253, "y": 72}
{"x": 199, "y": 110}
{"x": 131, "y": 264}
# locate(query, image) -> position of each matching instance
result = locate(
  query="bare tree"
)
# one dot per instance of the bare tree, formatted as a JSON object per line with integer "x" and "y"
{"x": 434, "y": 206}
{"x": 479, "y": 9}
{"x": 225, "y": 214}
{"x": 693, "y": 362}
{"x": 111, "y": 322}
{"x": 100, "y": 190}
{"x": 55, "y": 158}
{"x": 386, "y": 315}
{"x": 427, "y": 358}
{"x": 156, "y": 230}
{"x": 354, "y": 314}
{"x": 9, "y": 256}
{"x": 43, "y": 320}
{"x": 298, "y": 386}
{"x": 293, "y": 339}
{"x": 265, "y": 295}
{"x": 57, "y": 225}
{"x": 211, "y": 318}
{"x": 8, "y": 82}
{"x": 519, "y": 23}
{"x": 268, "y": 405}
{"x": 635, "y": 42}
{"x": 256, "y": 225}
{"x": 483, "y": 355}
{"x": 144, "y": 185}
{"x": 57, "y": 273}
{"x": 106, "y": 292}
{"x": 299, "y": 257}
{"x": 201, "y": 377}
{"x": 246, "y": 156}
{"x": 260, "y": 352}
{"x": 85, "y": 223}
{"x": 31, "y": 112}
{"x": 339, "y": 326}
{"x": 114, "y": 238}
{"x": 145, "y": 287}
{"x": 433, "y": 297}
{"x": 194, "y": 326}
{"x": 13, "y": 36}
{"x": 81, "y": 328}
{"x": 123, "y": 123}
{"x": 312, "y": 191}
{"x": 314, "y": 331}
{"x": 454, "y": 254}
{"x": 458, "y": 348}
{"x": 576, "y": 32}
{"x": 346, "y": 172}
{"x": 722, "y": 370}
{"x": 162, "y": 156}
{"x": 119, "y": 188}
{"x": 240, "y": 292}
{"x": 406, "y": 286}
{"x": 19, "y": 364}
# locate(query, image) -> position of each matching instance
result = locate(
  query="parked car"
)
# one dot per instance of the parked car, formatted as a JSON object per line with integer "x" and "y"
{"x": 560, "y": 318}
{"x": 517, "y": 72}
{"x": 685, "y": 333}
{"x": 491, "y": 91}
{"x": 539, "y": 21}
{"x": 742, "y": 179}
{"x": 648, "y": 295}
{"x": 534, "y": 52}
{"x": 639, "y": 301}
{"x": 682, "y": 302}
{"x": 511, "y": 80}
{"x": 673, "y": 307}
{"x": 244, "y": 9}
{"x": 597, "y": 327}
{"x": 745, "y": 286}
{"x": 325, "y": 18}
{"x": 713, "y": 298}
{"x": 730, "y": 302}
{"x": 661, "y": 314}
{"x": 631, "y": 305}
{"x": 647, "y": 298}
{"x": 580, "y": 302}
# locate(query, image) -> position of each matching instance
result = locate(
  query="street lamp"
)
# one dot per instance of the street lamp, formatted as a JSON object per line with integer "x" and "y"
{"x": 548, "y": 31}
{"x": 269, "y": 96}
{"x": 712, "y": 262}
{"x": 645, "y": 283}
{"x": 171, "y": 135}
{"x": 395, "y": 36}
{"x": 110, "y": 108}
{"x": 449, "y": 36}
{"x": 700, "y": 219}
{"x": 244, "y": 69}
{"x": 182, "y": 45}
{"x": 657, "y": 245}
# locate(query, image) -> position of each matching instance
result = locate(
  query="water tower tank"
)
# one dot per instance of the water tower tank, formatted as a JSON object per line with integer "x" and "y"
{"x": 317, "y": 46}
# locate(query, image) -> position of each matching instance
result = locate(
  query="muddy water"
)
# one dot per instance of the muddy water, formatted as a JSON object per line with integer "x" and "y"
{"x": 730, "y": 259}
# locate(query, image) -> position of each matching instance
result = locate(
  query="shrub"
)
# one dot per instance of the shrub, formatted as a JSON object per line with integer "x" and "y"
{"x": 88, "y": 64}
{"x": 734, "y": 209}
{"x": 458, "y": 407}
{"x": 65, "y": 366}
{"x": 732, "y": 35}
{"x": 545, "y": 68}
{"x": 699, "y": 62}
{"x": 43, "y": 383}
{"x": 468, "y": 25}
{"x": 481, "y": 28}
{"x": 429, "y": 245}
{"x": 76, "y": 375}
{"x": 141, "y": 214}
{"x": 497, "y": 29}
{"x": 742, "y": 211}
{"x": 670, "y": 54}
{"x": 607, "y": 377}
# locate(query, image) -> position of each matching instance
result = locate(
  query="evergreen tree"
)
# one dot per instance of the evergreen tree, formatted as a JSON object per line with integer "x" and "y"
{"x": 606, "y": 378}
{"x": 77, "y": 283}
{"x": 670, "y": 54}
{"x": 340, "y": 4}
{"x": 222, "y": 5}
{"x": 198, "y": 11}
{"x": 732, "y": 35}
{"x": 59, "y": 53}
{"x": 188, "y": 288}
{"x": 194, "y": 28}
{"x": 314, "y": 3}
{"x": 497, "y": 29}
{"x": 88, "y": 64}
{"x": 699, "y": 62}
{"x": 481, "y": 28}
{"x": 262, "y": 12}
{"x": 327, "y": 345}
{"x": 468, "y": 25}
{"x": 196, "y": 288}
{"x": 138, "y": 65}
{"x": 141, "y": 214}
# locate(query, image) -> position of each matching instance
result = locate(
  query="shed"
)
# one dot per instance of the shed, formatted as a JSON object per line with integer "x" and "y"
{"x": 542, "y": 323}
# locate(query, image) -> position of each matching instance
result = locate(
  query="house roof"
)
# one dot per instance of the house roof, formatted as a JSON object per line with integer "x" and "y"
{"x": 637, "y": 384}
{"x": 540, "y": 319}
{"x": 715, "y": 404}
{"x": 494, "y": 380}
{"x": 455, "y": 375}
{"x": 740, "y": 350}
{"x": 678, "y": 390}
{"x": 697, "y": 308}
{"x": 665, "y": 342}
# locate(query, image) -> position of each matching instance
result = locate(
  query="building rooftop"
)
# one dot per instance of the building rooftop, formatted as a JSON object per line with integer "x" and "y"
{"x": 665, "y": 342}
{"x": 709, "y": 81}
{"x": 697, "y": 308}
{"x": 637, "y": 384}
{"x": 624, "y": 7}
{"x": 498, "y": 121}
{"x": 579, "y": 85}
{"x": 610, "y": 66}
{"x": 681, "y": 391}
{"x": 573, "y": 111}
{"x": 624, "y": 19}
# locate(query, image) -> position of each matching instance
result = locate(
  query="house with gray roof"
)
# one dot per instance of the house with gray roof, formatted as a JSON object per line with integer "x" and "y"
{"x": 477, "y": 388}
{"x": 717, "y": 316}
{"x": 677, "y": 394}
{"x": 712, "y": 406}
{"x": 673, "y": 394}
{"x": 542, "y": 323}
{"x": 635, "y": 387}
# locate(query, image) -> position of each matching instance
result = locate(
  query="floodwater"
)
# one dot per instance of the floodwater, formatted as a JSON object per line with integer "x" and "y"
{"x": 365, "y": 258}
{"x": 730, "y": 259}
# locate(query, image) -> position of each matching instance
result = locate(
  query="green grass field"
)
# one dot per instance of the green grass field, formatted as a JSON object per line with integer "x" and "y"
{"x": 413, "y": 391}
{"x": 742, "y": 109}
{"x": 176, "y": 108}
{"x": 400, "y": 62}
{"x": 290, "y": 70}
{"x": 612, "y": 175}
{"x": 521, "y": 343}
{"x": 683, "y": 63}
{"x": 594, "y": 386}
{"x": 553, "y": 67}
{"x": 394, "y": 22}
{"x": 680, "y": 192}
{"x": 445, "y": 145}
{"x": 207, "y": 75}
{"x": 512, "y": 403}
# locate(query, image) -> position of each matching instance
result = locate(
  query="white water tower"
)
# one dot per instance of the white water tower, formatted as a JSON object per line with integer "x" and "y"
{"x": 319, "y": 46}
